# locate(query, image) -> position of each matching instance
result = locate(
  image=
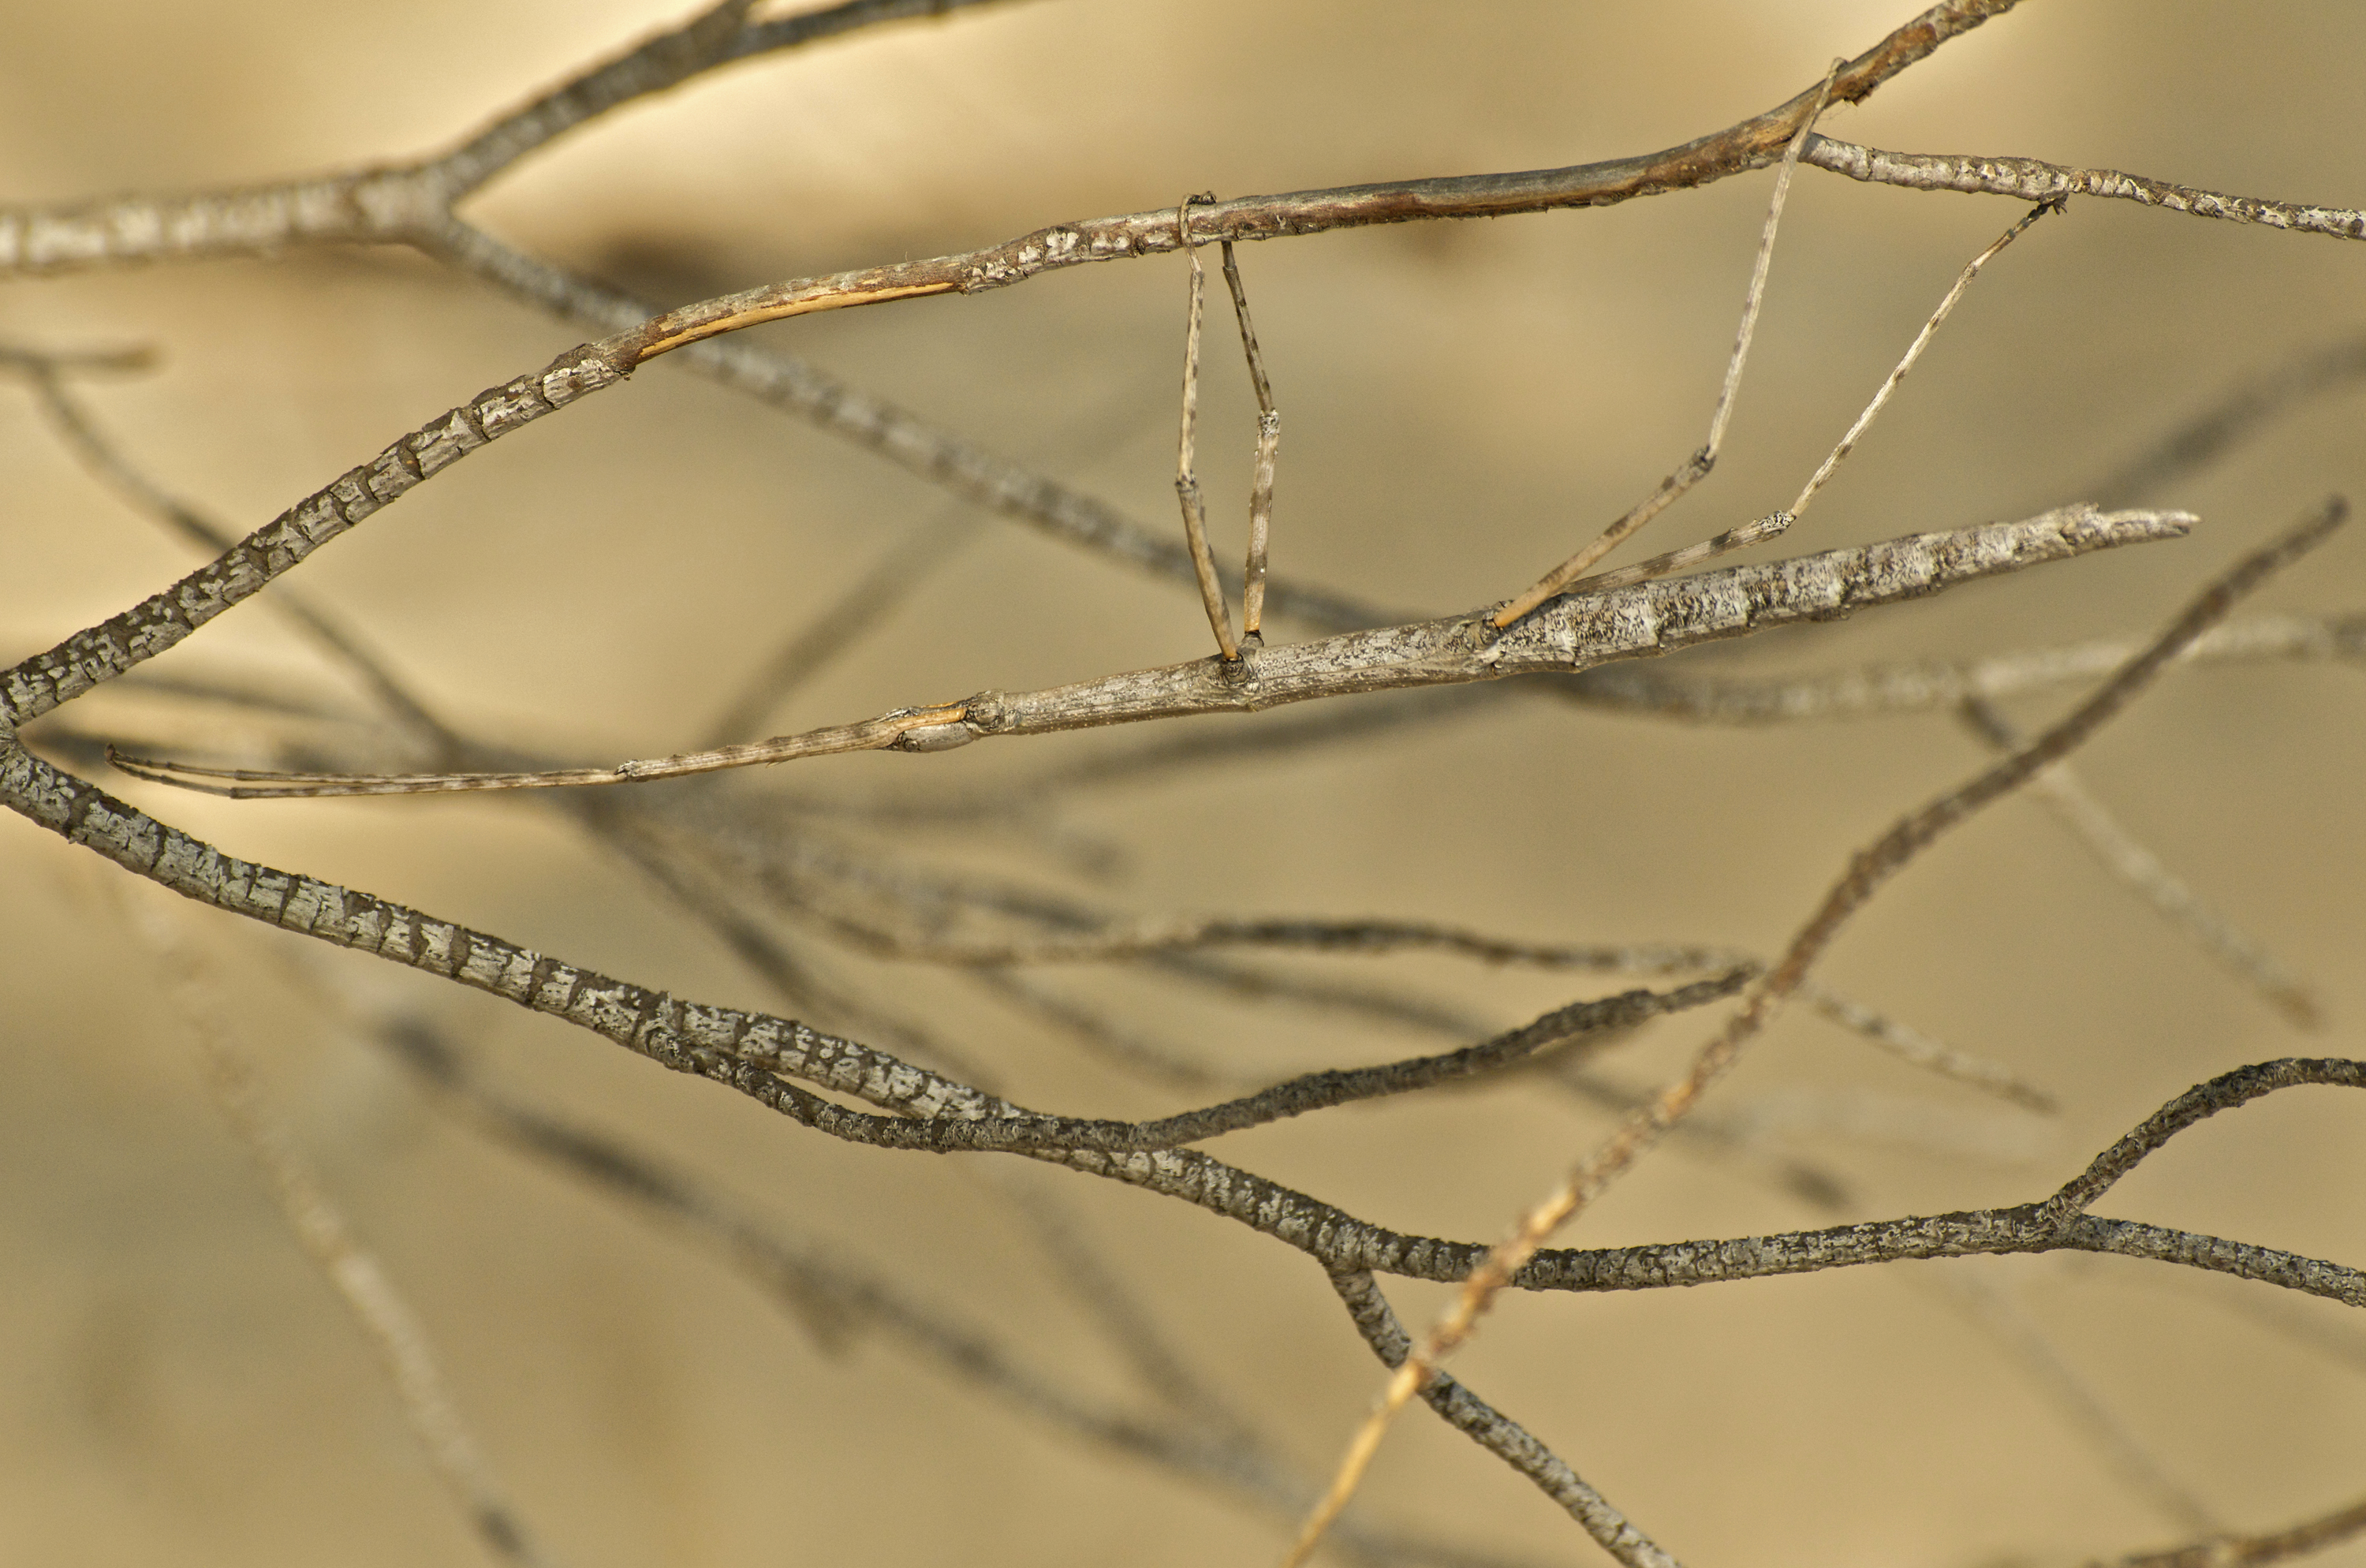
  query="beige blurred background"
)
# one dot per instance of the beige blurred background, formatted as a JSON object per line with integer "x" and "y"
{"x": 1461, "y": 403}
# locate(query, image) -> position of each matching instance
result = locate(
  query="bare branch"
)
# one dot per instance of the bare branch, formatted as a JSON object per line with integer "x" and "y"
{"x": 1495, "y": 1432}
{"x": 1871, "y": 868}
{"x": 2030, "y": 180}
{"x": 2141, "y": 871}
{"x": 2345, "y": 1523}
{"x": 386, "y": 1319}
{"x": 1570, "y": 634}
{"x": 1919, "y": 688}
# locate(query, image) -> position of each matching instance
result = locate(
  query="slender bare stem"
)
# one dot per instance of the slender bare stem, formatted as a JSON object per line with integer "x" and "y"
{"x": 1495, "y": 1432}
{"x": 1871, "y": 868}
{"x": 385, "y": 1318}
{"x": 2143, "y": 873}
{"x": 1575, "y": 632}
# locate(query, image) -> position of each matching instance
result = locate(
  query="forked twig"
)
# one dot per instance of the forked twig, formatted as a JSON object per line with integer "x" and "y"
{"x": 1495, "y": 1432}
{"x": 1867, "y": 872}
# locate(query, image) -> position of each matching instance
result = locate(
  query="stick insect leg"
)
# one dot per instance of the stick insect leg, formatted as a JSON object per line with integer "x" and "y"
{"x": 1914, "y": 349}
{"x": 1557, "y": 582}
{"x": 1773, "y": 523}
{"x": 1187, "y": 484}
{"x": 1269, "y": 444}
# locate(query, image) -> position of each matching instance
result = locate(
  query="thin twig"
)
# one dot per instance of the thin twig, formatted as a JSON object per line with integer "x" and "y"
{"x": 385, "y": 1318}
{"x": 1495, "y": 1432}
{"x": 1867, "y": 872}
{"x": 1261, "y": 471}
{"x": 1572, "y": 634}
{"x": 2143, "y": 873}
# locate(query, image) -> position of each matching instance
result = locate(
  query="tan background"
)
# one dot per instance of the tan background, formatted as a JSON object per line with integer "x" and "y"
{"x": 1461, "y": 403}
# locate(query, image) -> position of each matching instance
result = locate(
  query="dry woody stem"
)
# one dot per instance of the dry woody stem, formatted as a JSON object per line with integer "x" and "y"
{"x": 1867, "y": 872}
{"x": 898, "y": 1085}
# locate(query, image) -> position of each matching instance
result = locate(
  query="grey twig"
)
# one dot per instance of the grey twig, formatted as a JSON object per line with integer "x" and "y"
{"x": 2142, "y": 872}
{"x": 1925, "y": 687}
{"x": 1867, "y": 872}
{"x": 386, "y": 1319}
{"x": 1570, "y": 634}
{"x": 1495, "y": 1432}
